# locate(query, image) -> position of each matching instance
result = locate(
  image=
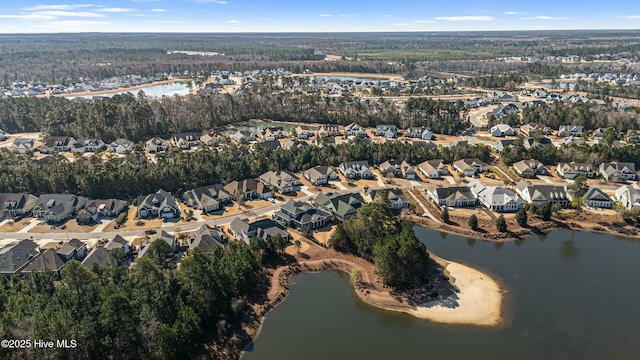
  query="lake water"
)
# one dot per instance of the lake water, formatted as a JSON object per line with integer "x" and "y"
{"x": 571, "y": 295}
{"x": 180, "y": 88}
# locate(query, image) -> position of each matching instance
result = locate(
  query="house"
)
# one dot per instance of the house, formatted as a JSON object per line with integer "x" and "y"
{"x": 573, "y": 141}
{"x": 355, "y": 130}
{"x": 121, "y": 146}
{"x": 273, "y": 133}
{"x": 534, "y": 129}
{"x": 470, "y": 167}
{"x": 342, "y": 206}
{"x": 294, "y": 144}
{"x": 207, "y": 239}
{"x": 94, "y": 210}
{"x": 22, "y": 144}
{"x": 618, "y": 171}
{"x": 15, "y": 205}
{"x": 268, "y": 229}
{"x": 14, "y": 258}
{"x": 451, "y": 195}
{"x": 241, "y": 230}
{"x": 502, "y": 111}
{"x": 540, "y": 195}
{"x": 421, "y": 132}
{"x": 156, "y": 145}
{"x": 395, "y": 168}
{"x": 158, "y": 205}
{"x": 186, "y": 141}
{"x": 570, "y": 130}
{"x": 396, "y": 199}
{"x": 56, "y": 208}
{"x": 529, "y": 143}
{"x": 87, "y": 146}
{"x": 356, "y": 170}
{"x": 501, "y": 145}
{"x": 282, "y": 180}
{"x": 48, "y": 260}
{"x": 74, "y": 249}
{"x": 248, "y": 189}
{"x": 303, "y": 133}
{"x": 211, "y": 138}
{"x": 98, "y": 256}
{"x": 57, "y": 144}
{"x": 329, "y": 130}
{"x": 207, "y": 198}
{"x": 597, "y": 199}
{"x": 629, "y": 197}
{"x": 496, "y": 198}
{"x": 166, "y": 237}
{"x": 118, "y": 242}
{"x": 242, "y": 135}
{"x": 529, "y": 168}
{"x": 459, "y": 144}
{"x": 388, "y": 131}
{"x": 320, "y": 175}
{"x": 301, "y": 215}
{"x": 572, "y": 170}
{"x": 434, "y": 169}
{"x": 502, "y": 130}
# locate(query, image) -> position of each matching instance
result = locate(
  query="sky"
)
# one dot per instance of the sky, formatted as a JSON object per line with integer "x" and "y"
{"x": 46, "y": 16}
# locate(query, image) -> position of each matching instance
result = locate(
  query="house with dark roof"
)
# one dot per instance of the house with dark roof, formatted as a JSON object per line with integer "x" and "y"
{"x": 394, "y": 197}
{"x": 502, "y": 130}
{"x": 248, "y": 189}
{"x": 267, "y": 229}
{"x": 242, "y": 135}
{"x": 356, "y": 170}
{"x": 529, "y": 168}
{"x": 618, "y": 171}
{"x": 451, "y": 195}
{"x": 530, "y": 143}
{"x": 56, "y": 208}
{"x": 570, "y": 130}
{"x": 156, "y": 145}
{"x": 283, "y": 181}
{"x": 97, "y": 256}
{"x": 421, "y": 132}
{"x": 15, "y": 205}
{"x": 94, "y": 210}
{"x": 48, "y": 260}
{"x": 388, "y": 131}
{"x": 121, "y": 146}
{"x": 74, "y": 249}
{"x": 270, "y": 144}
{"x": 14, "y": 258}
{"x": 186, "y": 141}
{"x": 207, "y": 198}
{"x": 241, "y": 230}
{"x": 57, "y": 144}
{"x": 320, "y": 175}
{"x": 301, "y": 215}
{"x": 207, "y": 239}
{"x": 88, "y": 146}
{"x": 21, "y": 145}
{"x": 354, "y": 129}
{"x": 542, "y": 194}
{"x": 158, "y": 205}
{"x": 597, "y": 199}
{"x": 434, "y": 169}
{"x": 342, "y": 206}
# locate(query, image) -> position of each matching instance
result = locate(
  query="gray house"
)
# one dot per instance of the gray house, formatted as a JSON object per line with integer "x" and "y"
{"x": 94, "y": 210}
{"x": 14, "y": 205}
{"x": 207, "y": 239}
{"x": 74, "y": 249}
{"x": 529, "y": 168}
{"x": 158, "y": 205}
{"x": 542, "y": 194}
{"x": 320, "y": 175}
{"x": 618, "y": 171}
{"x": 356, "y": 170}
{"x": 48, "y": 260}
{"x": 301, "y": 215}
{"x": 14, "y": 258}
{"x": 156, "y": 145}
{"x": 342, "y": 206}
{"x": 121, "y": 146}
{"x": 451, "y": 195}
{"x": 207, "y": 198}
{"x": 282, "y": 180}
{"x": 56, "y": 208}
{"x": 572, "y": 170}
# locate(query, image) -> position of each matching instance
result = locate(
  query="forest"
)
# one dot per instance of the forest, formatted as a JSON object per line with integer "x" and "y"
{"x": 134, "y": 175}
{"x": 151, "y": 311}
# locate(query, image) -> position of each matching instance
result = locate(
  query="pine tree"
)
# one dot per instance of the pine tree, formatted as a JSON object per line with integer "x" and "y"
{"x": 501, "y": 223}
{"x": 473, "y": 222}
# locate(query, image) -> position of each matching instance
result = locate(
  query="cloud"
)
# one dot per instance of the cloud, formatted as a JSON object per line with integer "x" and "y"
{"x": 630, "y": 17}
{"x": 57, "y": 7}
{"x": 385, "y": 16}
{"x": 348, "y": 15}
{"x": 59, "y": 13}
{"x": 79, "y": 23}
{"x": 115, "y": 10}
{"x": 325, "y": 15}
{"x": 513, "y": 13}
{"x": 234, "y": 21}
{"x": 32, "y": 16}
{"x": 424, "y": 22}
{"x": 159, "y": 10}
{"x": 544, "y": 17}
{"x": 466, "y": 18}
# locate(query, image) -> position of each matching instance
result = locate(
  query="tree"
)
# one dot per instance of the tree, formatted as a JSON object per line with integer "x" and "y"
{"x": 473, "y": 222}
{"x": 521, "y": 217}
{"x": 546, "y": 211}
{"x": 445, "y": 215}
{"x": 501, "y": 223}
